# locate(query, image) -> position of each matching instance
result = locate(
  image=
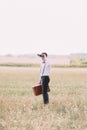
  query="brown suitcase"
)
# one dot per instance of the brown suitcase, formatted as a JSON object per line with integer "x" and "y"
{"x": 38, "y": 89}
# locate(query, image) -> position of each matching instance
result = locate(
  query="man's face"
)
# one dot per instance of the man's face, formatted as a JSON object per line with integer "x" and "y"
{"x": 43, "y": 57}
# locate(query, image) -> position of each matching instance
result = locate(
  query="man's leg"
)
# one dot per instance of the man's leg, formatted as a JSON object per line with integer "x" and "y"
{"x": 45, "y": 82}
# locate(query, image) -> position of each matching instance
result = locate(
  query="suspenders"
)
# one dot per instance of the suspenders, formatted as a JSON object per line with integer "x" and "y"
{"x": 44, "y": 69}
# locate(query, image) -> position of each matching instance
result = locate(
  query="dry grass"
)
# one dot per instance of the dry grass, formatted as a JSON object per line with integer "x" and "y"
{"x": 21, "y": 110}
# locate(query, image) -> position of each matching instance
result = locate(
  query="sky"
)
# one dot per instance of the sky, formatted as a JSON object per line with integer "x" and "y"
{"x": 35, "y": 26}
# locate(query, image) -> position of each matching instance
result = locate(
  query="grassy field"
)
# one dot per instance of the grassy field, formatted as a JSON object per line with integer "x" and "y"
{"x": 21, "y": 110}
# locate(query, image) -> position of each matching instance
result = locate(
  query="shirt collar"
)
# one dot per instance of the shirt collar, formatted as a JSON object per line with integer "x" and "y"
{"x": 44, "y": 61}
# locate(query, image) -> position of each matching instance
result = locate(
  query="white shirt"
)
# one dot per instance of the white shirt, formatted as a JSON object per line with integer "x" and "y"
{"x": 45, "y": 68}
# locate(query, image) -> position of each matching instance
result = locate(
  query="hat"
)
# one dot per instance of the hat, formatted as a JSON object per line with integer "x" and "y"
{"x": 42, "y": 54}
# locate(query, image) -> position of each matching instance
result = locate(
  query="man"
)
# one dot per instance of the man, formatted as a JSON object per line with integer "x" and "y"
{"x": 44, "y": 73}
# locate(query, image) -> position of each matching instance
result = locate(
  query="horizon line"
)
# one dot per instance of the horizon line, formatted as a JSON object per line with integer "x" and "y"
{"x": 21, "y": 54}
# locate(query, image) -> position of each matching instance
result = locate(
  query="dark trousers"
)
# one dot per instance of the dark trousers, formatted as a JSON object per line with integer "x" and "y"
{"x": 44, "y": 81}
